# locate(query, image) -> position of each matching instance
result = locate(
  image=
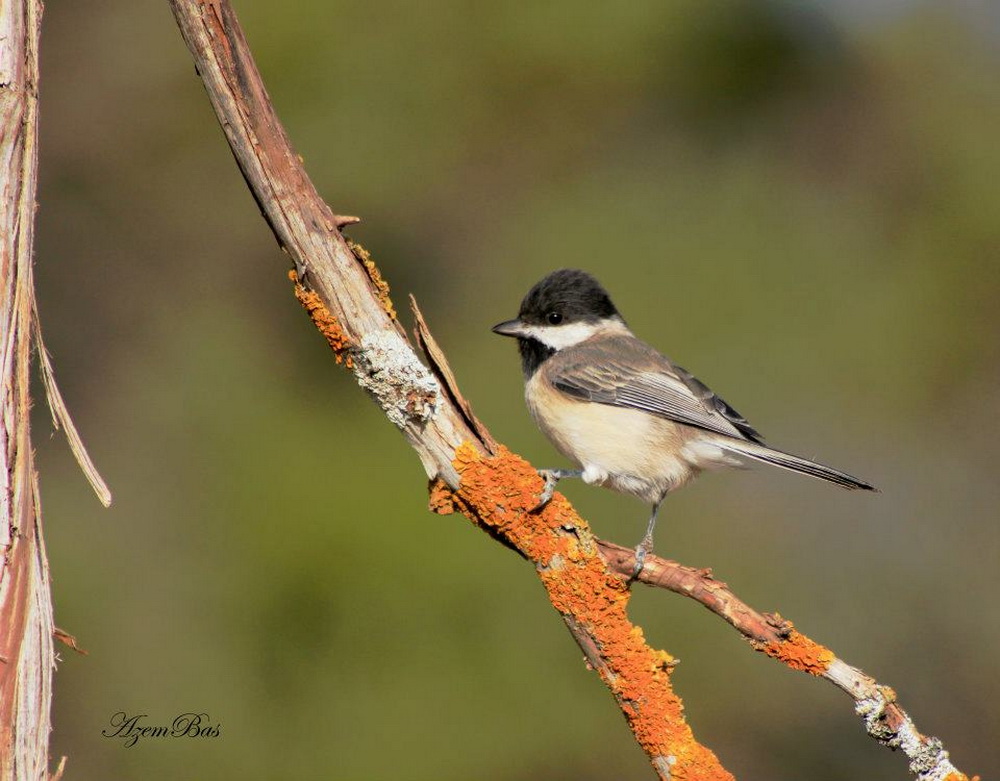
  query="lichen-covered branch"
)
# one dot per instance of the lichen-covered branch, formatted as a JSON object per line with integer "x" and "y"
{"x": 347, "y": 300}
{"x": 498, "y": 493}
{"x": 341, "y": 290}
{"x": 769, "y": 633}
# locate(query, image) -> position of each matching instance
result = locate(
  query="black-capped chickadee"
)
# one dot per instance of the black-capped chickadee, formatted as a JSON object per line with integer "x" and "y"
{"x": 627, "y": 416}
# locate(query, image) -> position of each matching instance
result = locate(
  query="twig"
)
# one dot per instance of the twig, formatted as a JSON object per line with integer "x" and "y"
{"x": 57, "y": 776}
{"x": 769, "y": 633}
{"x": 67, "y": 639}
{"x": 62, "y": 418}
{"x": 439, "y": 365}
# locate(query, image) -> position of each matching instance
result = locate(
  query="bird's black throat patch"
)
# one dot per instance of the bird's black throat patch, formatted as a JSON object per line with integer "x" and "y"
{"x": 533, "y": 354}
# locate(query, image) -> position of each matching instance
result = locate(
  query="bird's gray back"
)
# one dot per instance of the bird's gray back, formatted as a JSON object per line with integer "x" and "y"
{"x": 623, "y": 371}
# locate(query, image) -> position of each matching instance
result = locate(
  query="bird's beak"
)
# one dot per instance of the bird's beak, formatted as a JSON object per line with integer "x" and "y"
{"x": 510, "y": 328}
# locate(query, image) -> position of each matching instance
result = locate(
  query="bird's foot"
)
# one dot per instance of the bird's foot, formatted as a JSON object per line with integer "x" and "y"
{"x": 551, "y": 478}
{"x": 642, "y": 550}
{"x": 645, "y": 547}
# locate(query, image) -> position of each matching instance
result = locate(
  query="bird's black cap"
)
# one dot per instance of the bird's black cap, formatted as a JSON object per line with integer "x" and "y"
{"x": 572, "y": 293}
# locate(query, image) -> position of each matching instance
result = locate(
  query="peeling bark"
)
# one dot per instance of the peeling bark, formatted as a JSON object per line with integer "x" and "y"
{"x": 26, "y": 653}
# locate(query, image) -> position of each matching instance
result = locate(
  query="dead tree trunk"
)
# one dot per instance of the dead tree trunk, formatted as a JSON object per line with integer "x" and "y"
{"x": 26, "y": 653}
{"x": 27, "y": 658}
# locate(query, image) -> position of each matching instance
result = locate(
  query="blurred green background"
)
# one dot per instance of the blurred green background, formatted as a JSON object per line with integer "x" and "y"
{"x": 800, "y": 202}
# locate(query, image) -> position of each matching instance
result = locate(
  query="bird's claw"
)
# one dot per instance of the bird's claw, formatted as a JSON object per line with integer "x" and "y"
{"x": 642, "y": 550}
{"x": 640, "y": 562}
{"x": 551, "y": 477}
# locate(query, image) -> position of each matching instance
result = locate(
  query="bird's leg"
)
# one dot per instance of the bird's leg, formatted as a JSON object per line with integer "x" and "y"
{"x": 646, "y": 546}
{"x": 551, "y": 477}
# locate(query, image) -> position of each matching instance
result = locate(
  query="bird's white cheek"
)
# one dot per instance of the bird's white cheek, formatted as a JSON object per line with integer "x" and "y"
{"x": 559, "y": 337}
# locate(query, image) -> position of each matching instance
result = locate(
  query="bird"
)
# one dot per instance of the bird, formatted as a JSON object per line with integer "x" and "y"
{"x": 626, "y": 416}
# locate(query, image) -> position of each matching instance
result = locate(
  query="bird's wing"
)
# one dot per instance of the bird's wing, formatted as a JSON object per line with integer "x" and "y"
{"x": 625, "y": 372}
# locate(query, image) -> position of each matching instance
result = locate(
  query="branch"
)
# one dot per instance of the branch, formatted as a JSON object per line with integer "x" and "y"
{"x": 769, "y": 633}
{"x": 347, "y": 300}
{"x": 343, "y": 293}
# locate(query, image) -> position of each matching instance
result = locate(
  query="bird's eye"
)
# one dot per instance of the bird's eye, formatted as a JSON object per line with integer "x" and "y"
{"x": 554, "y": 318}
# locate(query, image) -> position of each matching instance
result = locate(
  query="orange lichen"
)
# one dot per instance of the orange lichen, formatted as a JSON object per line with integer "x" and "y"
{"x": 798, "y": 652}
{"x": 381, "y": 286}
{"x": 324, "y": 321}
{"x": 441, "y": 500}
{"x": 499, "y": 492}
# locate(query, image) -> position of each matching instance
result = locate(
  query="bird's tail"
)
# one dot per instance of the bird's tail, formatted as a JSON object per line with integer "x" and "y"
{"x": 794, "y": 463}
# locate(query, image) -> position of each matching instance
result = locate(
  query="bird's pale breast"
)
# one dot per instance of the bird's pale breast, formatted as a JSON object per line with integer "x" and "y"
{"x": 627, "y": 450}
